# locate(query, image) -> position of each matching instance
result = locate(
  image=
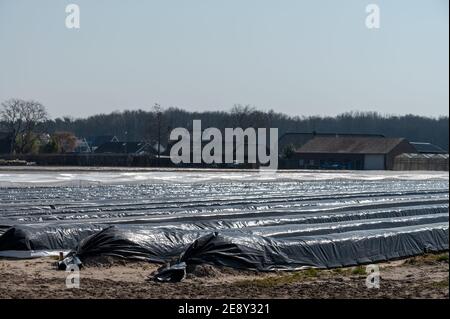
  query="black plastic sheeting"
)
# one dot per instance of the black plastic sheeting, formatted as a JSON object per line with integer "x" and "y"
{"x": 240, "y": 250}
{"x": 36, "y": 237}
{"x": 258, "y": 226}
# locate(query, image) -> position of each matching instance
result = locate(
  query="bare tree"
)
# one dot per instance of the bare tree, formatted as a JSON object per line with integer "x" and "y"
{"x": 21, "y": 118}
{"x": 248, "y": 116}
{"x": 10, "y": 115}
{"x": 155, "y": 131}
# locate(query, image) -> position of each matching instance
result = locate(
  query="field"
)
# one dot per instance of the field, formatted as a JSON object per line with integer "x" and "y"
{"x": 335, "y": 222}
{"x": 416, "y": 277}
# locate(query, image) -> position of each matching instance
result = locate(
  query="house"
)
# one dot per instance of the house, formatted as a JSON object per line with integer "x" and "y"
{"x": 233, "y": 154}
{"x": 96, "y": 141}
{"x": 136, "y": 148}
{"x": 349, "y": 152}
{"x": 82, "y": 146}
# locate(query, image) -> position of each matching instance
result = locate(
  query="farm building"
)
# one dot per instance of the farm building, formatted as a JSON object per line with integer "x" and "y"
{"x": 421, "y": 162}
{"x": 298, "y": 139}
{"x": 349, "y": 152}
{"x": 428, "y": 148}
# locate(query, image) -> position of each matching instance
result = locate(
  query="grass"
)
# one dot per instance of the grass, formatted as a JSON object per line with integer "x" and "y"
{"x": 359, "y": 270}
{"x": 443, "y": 284}
{"x": 281, "y": 279}
{"x": 292, "y": 277}
{"x": 429, "y": 259}
{"x": 311, "y": 272}
{"x": 442, "y": 258}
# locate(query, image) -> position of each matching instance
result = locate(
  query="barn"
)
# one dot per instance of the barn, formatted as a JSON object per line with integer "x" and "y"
{"x": 349, "y": 152}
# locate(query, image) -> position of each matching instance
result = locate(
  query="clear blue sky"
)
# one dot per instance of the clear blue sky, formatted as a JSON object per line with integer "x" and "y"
{"x": 300, "y": 57}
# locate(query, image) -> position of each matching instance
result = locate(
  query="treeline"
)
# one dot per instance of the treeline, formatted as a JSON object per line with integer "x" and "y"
{"x": 141, "y": 125}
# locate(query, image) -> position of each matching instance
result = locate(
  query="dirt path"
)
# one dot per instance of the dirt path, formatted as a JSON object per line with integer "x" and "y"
{"x": 418, "y": 277}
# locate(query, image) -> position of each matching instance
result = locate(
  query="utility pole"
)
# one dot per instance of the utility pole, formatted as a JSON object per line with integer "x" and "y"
{"x": 159, "y": 138}
{"x": 125, "y": 142}
{"x": 157, "y": 109}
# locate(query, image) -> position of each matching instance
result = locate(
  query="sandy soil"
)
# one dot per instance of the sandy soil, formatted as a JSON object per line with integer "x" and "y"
{"x": 418, "y": 277}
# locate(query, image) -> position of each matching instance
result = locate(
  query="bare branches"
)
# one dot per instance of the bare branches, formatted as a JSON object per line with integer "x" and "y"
{"x": 21, "y": 118}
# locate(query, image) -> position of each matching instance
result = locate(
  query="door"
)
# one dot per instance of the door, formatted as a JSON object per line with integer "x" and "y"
{"x": 374, "y": 162}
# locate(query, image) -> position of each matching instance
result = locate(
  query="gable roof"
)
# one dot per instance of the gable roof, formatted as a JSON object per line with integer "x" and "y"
{"x": 121, "y": 147}
{"x": 422, "y": 156}
{"x": 298, "y": 139}
{"x": 350, "y": 145}
{"x": 98, "y": 140}
{"x": 428, "y": 148}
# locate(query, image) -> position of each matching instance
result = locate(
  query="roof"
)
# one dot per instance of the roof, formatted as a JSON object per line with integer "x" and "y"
{"x": 298, "y": 139}
{"x": 121, "y": 147}
{"x": 350, "y": 145}
{"x": 428, "y": 148}
{"x": 101, "y": 139}
{"x": 422, "y": 156}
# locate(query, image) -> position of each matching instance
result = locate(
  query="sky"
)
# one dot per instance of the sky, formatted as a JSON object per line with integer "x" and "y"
{"x": 299, "y": 57}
